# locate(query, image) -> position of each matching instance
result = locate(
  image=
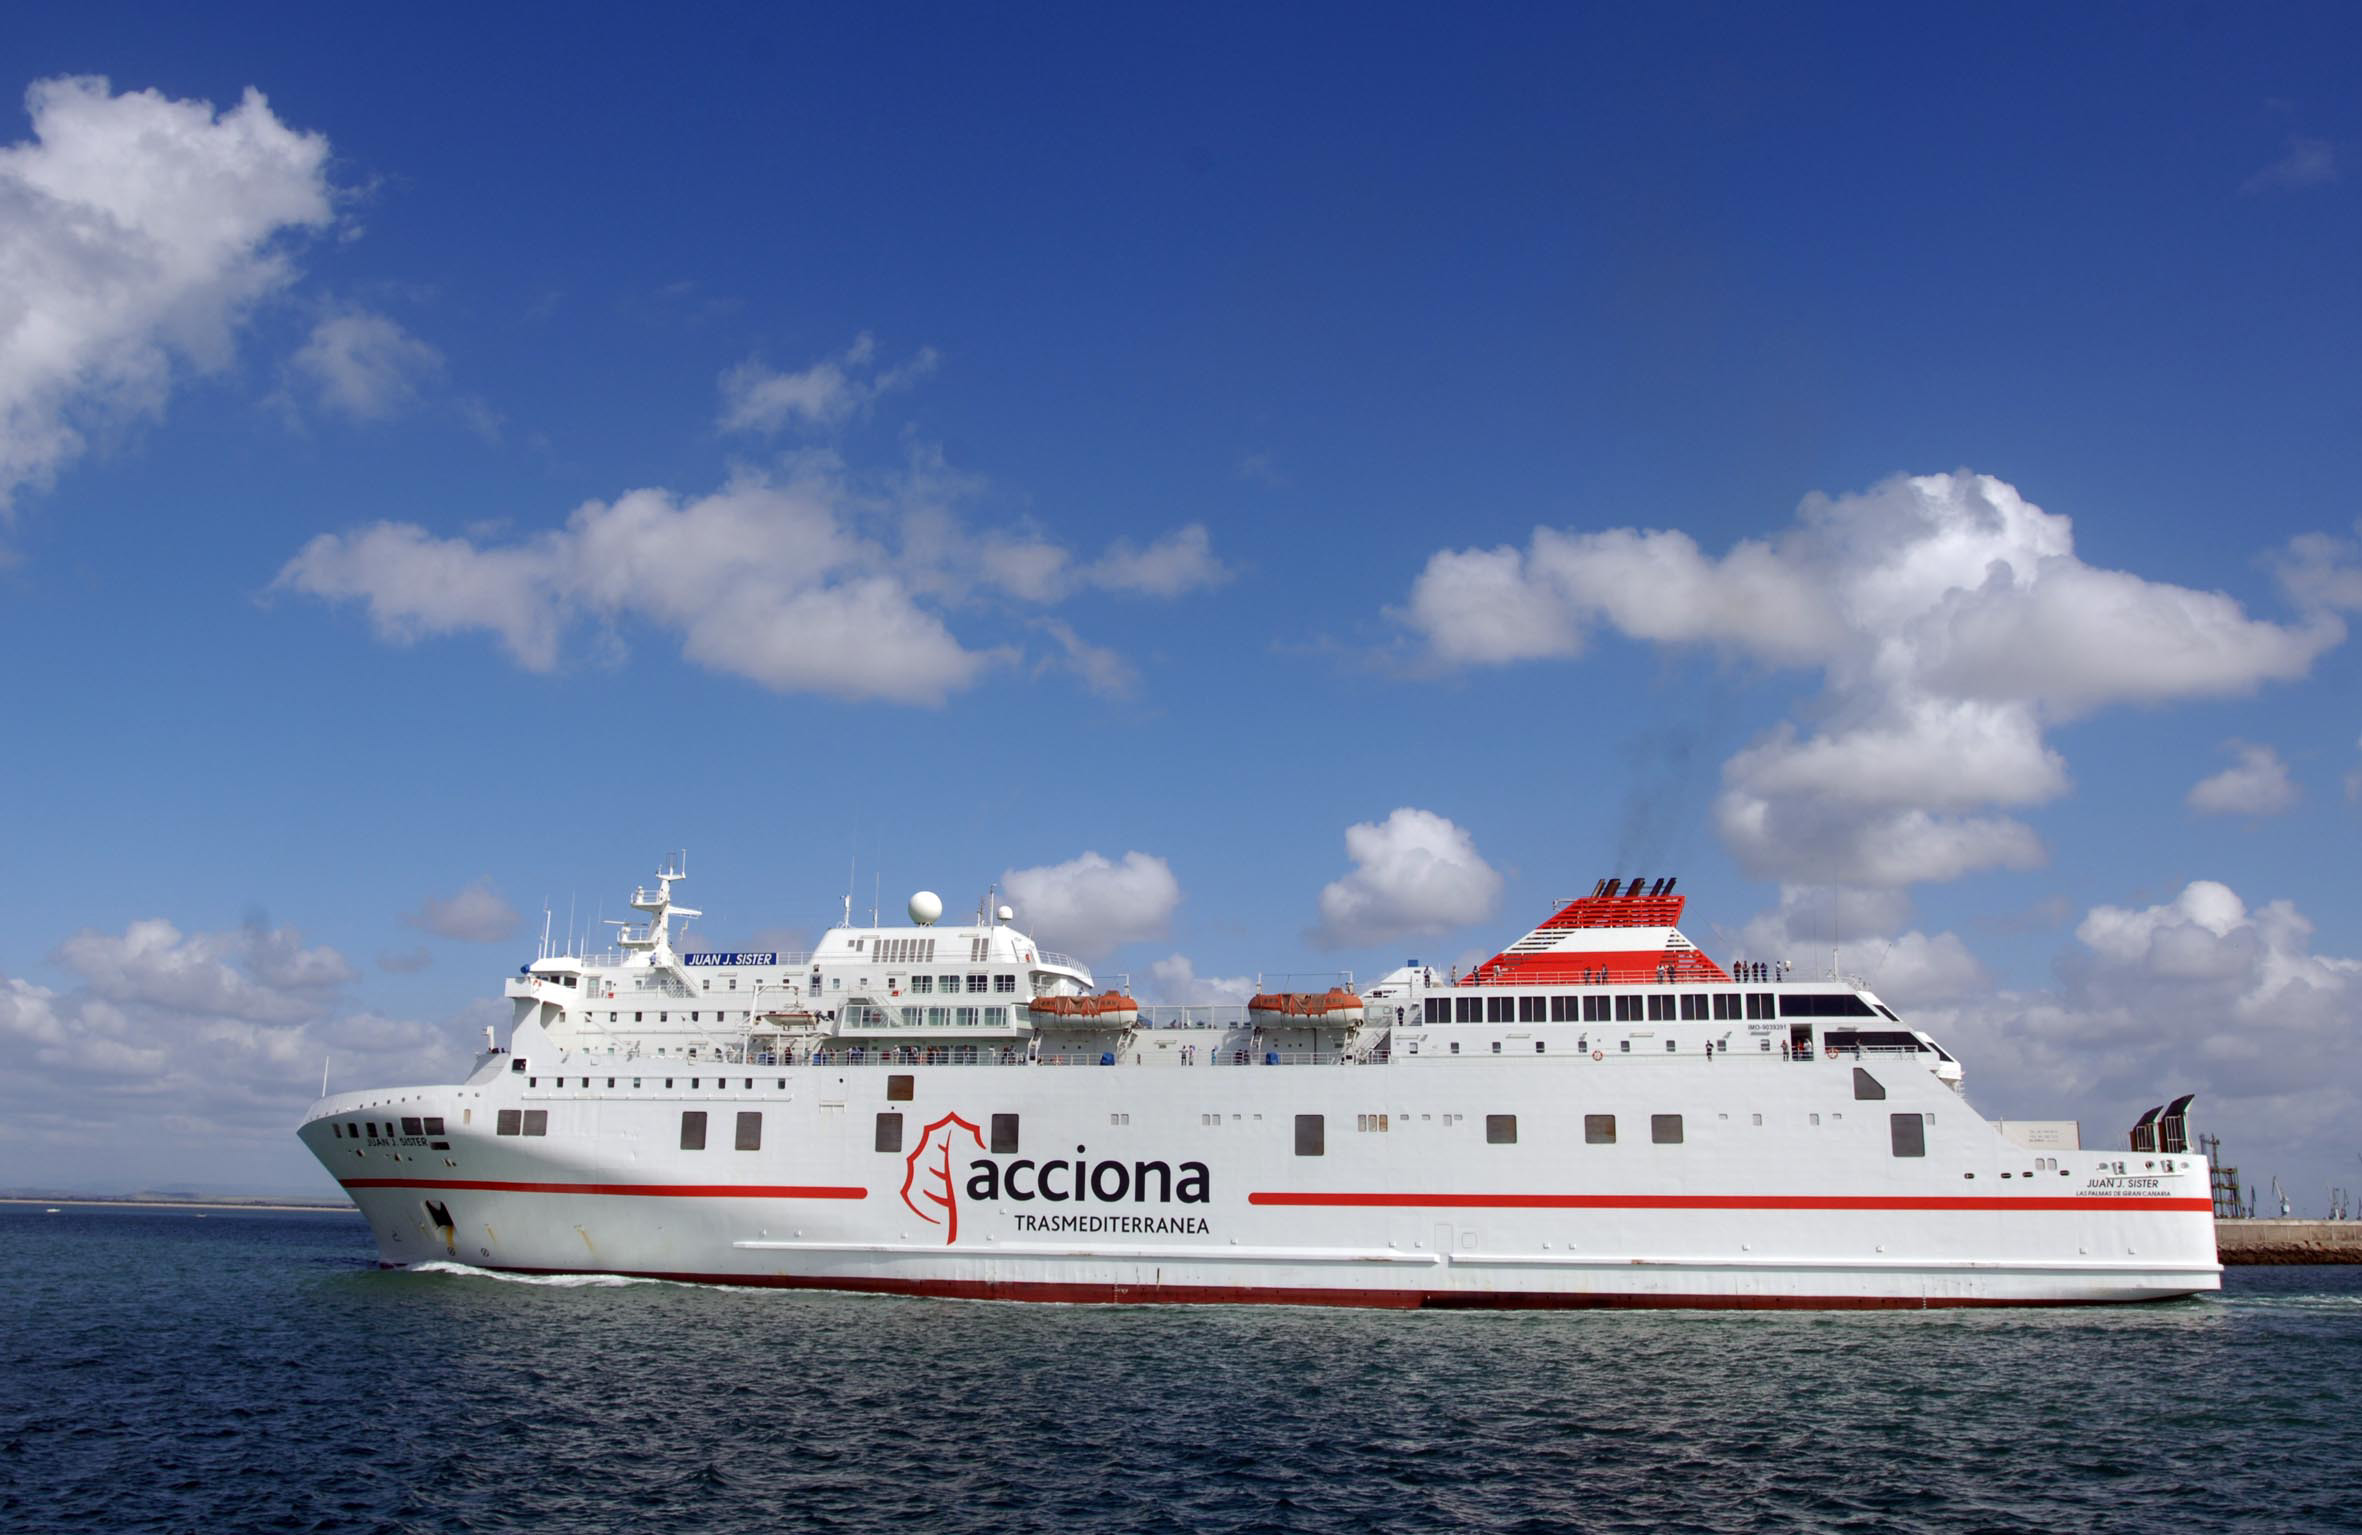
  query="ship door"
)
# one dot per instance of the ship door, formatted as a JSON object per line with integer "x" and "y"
{"x": 1443, "y": 1238}
{"x": 1800, "y": 1041}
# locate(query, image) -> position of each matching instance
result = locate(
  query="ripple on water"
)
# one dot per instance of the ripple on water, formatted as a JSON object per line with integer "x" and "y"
{"x": 261, "y": 1373}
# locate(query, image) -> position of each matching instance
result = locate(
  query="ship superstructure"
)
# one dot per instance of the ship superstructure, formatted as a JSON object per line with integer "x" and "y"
{"x": 1598, "y": 1115}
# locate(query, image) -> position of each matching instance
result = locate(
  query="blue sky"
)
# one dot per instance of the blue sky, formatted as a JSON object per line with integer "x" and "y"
{"x": 988, "y": 446}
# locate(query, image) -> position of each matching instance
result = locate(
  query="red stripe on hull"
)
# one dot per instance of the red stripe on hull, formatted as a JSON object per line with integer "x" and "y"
{"x": 644, "y": 1190}
{"x": 1718, "y": 1202}
{"x": 1260, "y": 1295}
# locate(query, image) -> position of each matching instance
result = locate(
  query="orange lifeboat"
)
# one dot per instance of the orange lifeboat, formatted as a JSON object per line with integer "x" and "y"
{"x": 1109, "y": 1009}
{"x": 1299, "y": 1009}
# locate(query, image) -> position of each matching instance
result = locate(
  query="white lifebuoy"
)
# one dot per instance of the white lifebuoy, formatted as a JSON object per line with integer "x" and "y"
{"x": 1599, "y": 1055}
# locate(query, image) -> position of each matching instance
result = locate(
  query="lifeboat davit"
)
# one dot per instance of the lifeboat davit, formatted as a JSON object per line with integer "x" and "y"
{"x": 1299, "y": 1009}
{"x": 1110, "y": 1009}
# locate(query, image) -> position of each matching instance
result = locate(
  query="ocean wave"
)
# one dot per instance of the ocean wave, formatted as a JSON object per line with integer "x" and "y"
{"x": 547, "y": 1281}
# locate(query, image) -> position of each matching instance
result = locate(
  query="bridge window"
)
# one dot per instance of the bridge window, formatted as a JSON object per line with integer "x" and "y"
{"x": 978, "y": 983}
{"x": 1004, "y": 983}
{"x": 1910, "y": 1134}
{"x": 411, "y": 1126}
{"x": 1468, "y": 1009}
{"x": 1310, "y": 1135}
{"x": 507, "y": 1124}
{"x": 1530, "y": 1009}
{"x": 1497, "y": 1009}
{"x": 1595, "y": 1010}
{"x": 750, "y": 1131}
{"x": 537, "y": 1121}
{"x": 1599, "y": 1129}
{"x": 1660, "y": 1009}
{"x": 1500, "y": 1129}
{"x": 1867, "y": 1086}
{"x": 889, "y": 1131}
{"x": 899, "y": 1088}
{"x": 1439, "y": 1009}
{"x": 1564, "y": 1009}
{"x": 922, "y": 985}
{"x": 1693, "y": 1008}
{"x": 1726, "y": 1006}
{"x": 1627, "y": 1009}
{"x": 693, "y": 1129}
{"x": 1665, "y": 1129}
{"x": 1004, "y": 1135}
{"x": 1823, "y": 1006}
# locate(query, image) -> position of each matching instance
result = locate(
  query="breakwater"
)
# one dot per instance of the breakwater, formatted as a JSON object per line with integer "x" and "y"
{"x": 2275, "y": 1241}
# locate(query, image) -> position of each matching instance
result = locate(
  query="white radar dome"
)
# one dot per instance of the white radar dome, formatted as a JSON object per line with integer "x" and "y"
{"x": 1007, "y": 915}
{"x": 925, "y": 907}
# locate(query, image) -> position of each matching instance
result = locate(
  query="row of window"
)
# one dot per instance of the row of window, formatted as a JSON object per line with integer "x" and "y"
{"x": 350, "y": 1129}
{"x": 951, "y": 1017}
{"x": 1499, "y": 1130}
{"x": 1623, "y": 1046}
{"x": 696, "y": 1084}
{"x": 1908, "y": 1132}
{"x": 750, "y": 1130}
{"x": 923, "y": 985}
{"x": 1642, "y": 1007}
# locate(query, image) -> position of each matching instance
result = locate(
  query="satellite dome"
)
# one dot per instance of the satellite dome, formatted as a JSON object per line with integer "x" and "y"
{"x": 1007, "y": 915}
{"x": 925, "y": 907}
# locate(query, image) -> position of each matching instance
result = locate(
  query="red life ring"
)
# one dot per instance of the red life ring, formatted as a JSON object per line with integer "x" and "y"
{"x": 1599, "y": 1055}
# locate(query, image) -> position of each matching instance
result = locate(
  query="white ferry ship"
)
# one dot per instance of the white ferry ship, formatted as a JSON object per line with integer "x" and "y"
{"x": 1599, "y": 1115}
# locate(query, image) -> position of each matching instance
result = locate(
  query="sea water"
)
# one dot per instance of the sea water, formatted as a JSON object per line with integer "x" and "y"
{"x": 171, "y": 1371}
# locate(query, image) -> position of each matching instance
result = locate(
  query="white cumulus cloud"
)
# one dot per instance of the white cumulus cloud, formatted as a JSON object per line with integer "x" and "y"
{"x": 1951, "y": 623}
{"x": 1907, "y": 968}
{"x": 136, "y": 234}
{"x": 1414, "y": 873}
{"x": 1178, "y": 563}
{"x": 1177, "y": 981}
{"x": 2256, "y": 783}
{"x": 1091, "y": 905}
{"x": 217, "y": 1037}
{"x": 475, "y": 914}
{"x": 2200, "y": 993}
{"x": 364, "y": 365}
{"x": 830, "y": 392}
{"x": 808, "y": 583}
{"x": 2307, "y": 162}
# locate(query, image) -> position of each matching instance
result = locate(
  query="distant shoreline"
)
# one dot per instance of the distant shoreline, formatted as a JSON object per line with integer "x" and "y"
{"x": 259, "y": 1205}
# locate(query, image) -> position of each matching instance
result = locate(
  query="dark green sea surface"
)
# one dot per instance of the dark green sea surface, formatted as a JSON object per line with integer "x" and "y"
{"x": 161, "y": 1371}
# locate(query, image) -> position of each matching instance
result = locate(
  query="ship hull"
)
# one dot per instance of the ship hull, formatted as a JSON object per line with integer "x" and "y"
{"x": 1747, "y": 1183}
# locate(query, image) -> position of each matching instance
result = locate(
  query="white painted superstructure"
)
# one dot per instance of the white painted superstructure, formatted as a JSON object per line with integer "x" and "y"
{"x": 1600, "y": 1115}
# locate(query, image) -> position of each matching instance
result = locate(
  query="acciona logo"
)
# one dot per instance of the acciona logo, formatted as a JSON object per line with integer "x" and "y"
{"x": 931, "y": 1185}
